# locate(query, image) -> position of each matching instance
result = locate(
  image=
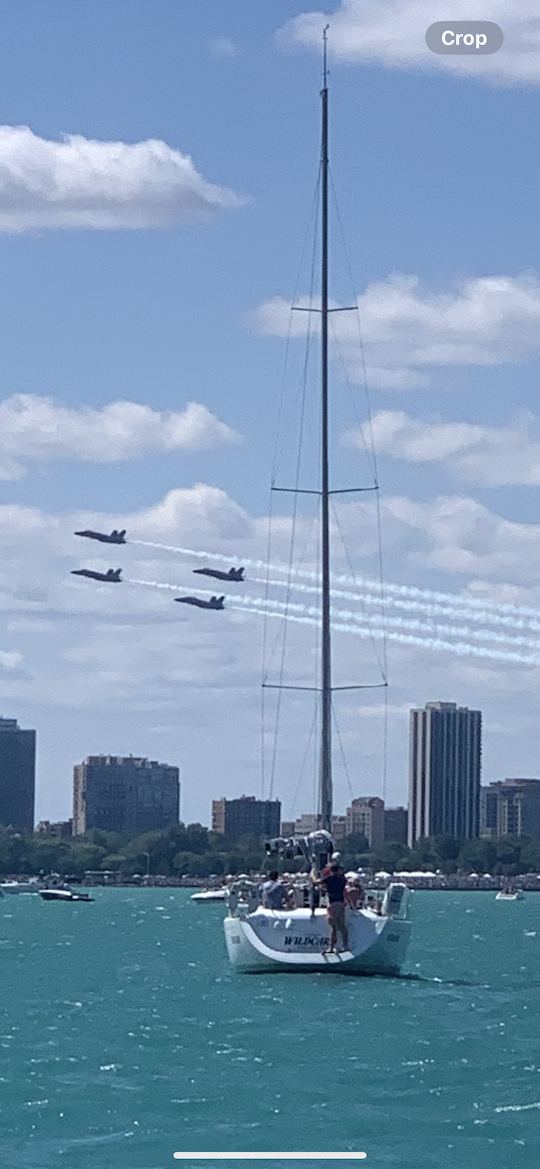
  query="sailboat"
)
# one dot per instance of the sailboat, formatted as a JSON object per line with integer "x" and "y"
{"x": 261, "y": 939}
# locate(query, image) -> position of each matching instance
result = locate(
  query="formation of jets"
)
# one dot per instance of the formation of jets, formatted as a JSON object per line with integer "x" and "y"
{"x": 114, "y": 575}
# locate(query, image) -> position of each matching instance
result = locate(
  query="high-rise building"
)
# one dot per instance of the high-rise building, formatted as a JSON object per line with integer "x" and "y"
{"x": 444, "y": 777}
{"x": 311, "y": 822}
{"x": 510, "y": 807}
{"x": 395, "y": 825}
{"x": 17, "y": 776}
{"x": 308, "y": 822}
{"x": 339, "y": 828}
{"x": 365, "y": 817}
{"x": 58, "y": 828}
{"x": 288, "y": 828}
{"x": 246, "y": 816}
{"x": 124, "y": 794}
{"x": 489, "y": 806}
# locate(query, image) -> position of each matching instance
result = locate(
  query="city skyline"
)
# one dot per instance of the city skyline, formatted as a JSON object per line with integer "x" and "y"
{"x": 148, "y": 396}
{"x": 305, "y": 820}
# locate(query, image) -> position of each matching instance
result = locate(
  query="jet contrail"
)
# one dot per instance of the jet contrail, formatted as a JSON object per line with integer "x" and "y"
{"x": 427, "y": 610}
{"x": 460, "y": 648}
{"x": 373, "y": 621}
{"x": 491, "y": 611}
{"x": 348, "y": 622}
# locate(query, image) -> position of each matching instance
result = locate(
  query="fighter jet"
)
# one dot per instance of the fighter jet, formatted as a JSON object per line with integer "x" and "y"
{"x": 213, "y": 603}
{"x": 232, "y": 574}
{"x": 114, "y": 538}
{"x": 111, "y": 576}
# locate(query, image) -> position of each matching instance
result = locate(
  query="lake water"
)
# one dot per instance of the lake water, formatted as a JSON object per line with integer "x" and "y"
{"x": 124, "y": 1037}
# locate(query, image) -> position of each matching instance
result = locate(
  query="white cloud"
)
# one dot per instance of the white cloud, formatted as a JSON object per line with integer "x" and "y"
{"x": 39, "y": 429}
{"x": 224, "y": 47}
{"x": 409, "y": 330}
{"x": 201, "y": 511}
{"x": 10, "y": 659}
{"x": 490, "y": 456}
{"x": 459, "y": 536}
{"x": 392, "y": 32}
{"x": 82, "y": 183}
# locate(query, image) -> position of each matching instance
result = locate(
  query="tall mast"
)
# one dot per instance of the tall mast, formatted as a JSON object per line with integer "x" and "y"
{"x": 326, "y": 656}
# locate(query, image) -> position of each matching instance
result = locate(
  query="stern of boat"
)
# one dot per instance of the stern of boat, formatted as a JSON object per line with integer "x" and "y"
{"x": 292, "y": 941}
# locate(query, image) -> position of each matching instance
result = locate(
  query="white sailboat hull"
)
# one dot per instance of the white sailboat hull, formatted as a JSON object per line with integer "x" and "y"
{"x": 268, "y": 940}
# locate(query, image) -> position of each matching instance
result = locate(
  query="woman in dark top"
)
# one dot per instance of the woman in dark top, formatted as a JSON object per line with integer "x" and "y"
{"x": 334, "y": 883}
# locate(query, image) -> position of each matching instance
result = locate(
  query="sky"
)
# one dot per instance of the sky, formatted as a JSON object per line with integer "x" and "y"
{"x": 157, "y": 173}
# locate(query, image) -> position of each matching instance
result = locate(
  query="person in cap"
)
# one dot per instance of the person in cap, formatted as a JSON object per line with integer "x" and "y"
{"x": 335, "y": 859}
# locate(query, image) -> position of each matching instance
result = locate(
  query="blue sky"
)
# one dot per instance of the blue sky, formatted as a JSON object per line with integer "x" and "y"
{"x": 437, "y": 180}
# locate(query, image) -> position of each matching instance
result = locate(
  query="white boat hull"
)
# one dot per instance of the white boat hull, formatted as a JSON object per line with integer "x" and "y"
{"x": 17, "y": 887}
{"x": 209, "y": 895}
{"x": 517, "y": 896}
{"x": 269, "y": 940}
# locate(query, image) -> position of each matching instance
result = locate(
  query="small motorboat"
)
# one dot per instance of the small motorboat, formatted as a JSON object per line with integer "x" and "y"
{"x": 33, "y": 885}
{"x": 209, "y": 895}
{"x": 510, "y": 895}
{"x": 63, "y": 895}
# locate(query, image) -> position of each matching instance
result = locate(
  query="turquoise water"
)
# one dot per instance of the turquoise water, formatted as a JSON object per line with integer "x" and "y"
{"x": 124, "y": 1037}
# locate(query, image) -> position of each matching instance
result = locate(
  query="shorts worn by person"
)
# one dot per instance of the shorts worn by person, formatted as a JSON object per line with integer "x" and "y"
{"x": 335, "y": 883}
{"x": 273, "y": 892}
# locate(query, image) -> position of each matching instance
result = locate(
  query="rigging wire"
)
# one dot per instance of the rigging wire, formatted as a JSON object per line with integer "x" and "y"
{"x": 385, "y": 745}
{"x": 276, "y": 455}
{"x": 283, "y": 429}
{"x": 342, "y": 749}
{"x": 317, "y": 789}
{"x": 367, "y": 616}
{"x": 305, "y": 371}
{"x": 373, "y": 455}
{"x": 304, "y": 761}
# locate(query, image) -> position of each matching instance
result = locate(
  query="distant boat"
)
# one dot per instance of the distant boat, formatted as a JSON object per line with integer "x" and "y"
{"x": 510, "y": 895}
{"x": 31, "y": 886}
{"x": 209, "y": 895}
{"x": 63, "y": 895}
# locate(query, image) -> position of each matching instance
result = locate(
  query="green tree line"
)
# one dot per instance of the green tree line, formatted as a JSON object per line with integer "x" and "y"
{"x": 194, "y": 851}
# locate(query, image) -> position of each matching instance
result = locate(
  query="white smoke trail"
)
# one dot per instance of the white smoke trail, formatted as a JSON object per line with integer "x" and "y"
{"x": 458, "y": 648}
{"x": 375, "y": 621}
{"x": 349, "y": 622}
{"x": 397, "y": 595}
{"x": 428, "y": 611}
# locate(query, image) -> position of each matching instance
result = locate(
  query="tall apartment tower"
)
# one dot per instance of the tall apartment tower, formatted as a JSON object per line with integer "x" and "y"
{"x": 510, "y": 807}
{"x": 124, "y": 794}
{"x": 17, "y": 776}
{"x": 444, "y": 776}
{"x": 246, "y": 816}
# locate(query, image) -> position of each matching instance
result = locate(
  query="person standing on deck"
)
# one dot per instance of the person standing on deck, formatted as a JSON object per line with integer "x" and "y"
{"x": 335, "y": 883}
